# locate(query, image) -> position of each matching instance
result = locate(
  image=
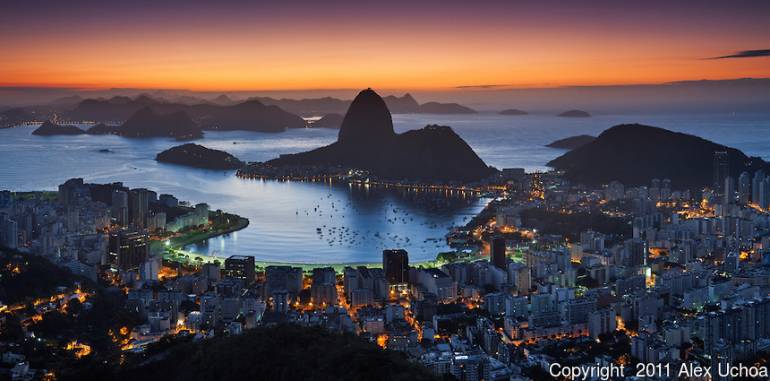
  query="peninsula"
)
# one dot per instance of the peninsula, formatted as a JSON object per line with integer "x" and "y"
{"x": 367, "y": 141}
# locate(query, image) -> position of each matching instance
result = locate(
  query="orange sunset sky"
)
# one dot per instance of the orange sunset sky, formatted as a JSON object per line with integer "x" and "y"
{"x": 397, "y": 45}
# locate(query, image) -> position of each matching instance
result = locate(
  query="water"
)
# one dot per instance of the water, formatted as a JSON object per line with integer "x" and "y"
{"x": 355, "y": 224}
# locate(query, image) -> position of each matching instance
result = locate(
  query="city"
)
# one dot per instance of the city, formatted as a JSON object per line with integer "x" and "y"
{"x": 678, "y": 280}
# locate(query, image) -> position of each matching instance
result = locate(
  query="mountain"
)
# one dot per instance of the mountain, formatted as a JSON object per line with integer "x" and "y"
{"x": 445, "y": 108}
{"x": 103, "y": 129}
{"x": 402, "y": 105}
{"x": 249, "y": 116}
{"x": 512, "y": 111}
{"x": 634, "y": 154}
{"x": 367, "y": 141}
{"x": 147, "y": 123}
{"x": 223, "y": 100}
{"x": 571, "y": 142}
{"x": 405, "y": 104}
{"x": 307, "y": 107}
{"x": 49, "y": 128}
{"x": 198, "y": 156}
{"x": 575, "y": 114}
{"x": 328, "y": 121}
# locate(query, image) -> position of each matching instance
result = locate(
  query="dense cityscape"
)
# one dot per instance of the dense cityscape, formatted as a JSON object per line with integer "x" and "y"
{"x": 549, "y": 273}
{"x": 346, "y": 190}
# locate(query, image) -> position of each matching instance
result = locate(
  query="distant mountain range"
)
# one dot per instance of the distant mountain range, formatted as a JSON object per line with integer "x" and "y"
{"x": 367, "y": 141}
{"x": 405, "y": 104}
{"x": 144, "y": 123}
{"x": 575, "y": 114}
{"x": 251, "y": 115}
{"x": 634, "y": 154}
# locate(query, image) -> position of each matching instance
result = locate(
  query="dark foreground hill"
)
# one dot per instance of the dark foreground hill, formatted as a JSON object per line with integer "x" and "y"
{"x": 198, "y": 156}
{"x": 634, "y": 154}
{"x": 367, "y": 141}
{"x": 278, "y": 353}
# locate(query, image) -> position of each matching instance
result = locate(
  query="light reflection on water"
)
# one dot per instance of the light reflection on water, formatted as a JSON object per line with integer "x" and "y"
{"x": 285, "y": 216}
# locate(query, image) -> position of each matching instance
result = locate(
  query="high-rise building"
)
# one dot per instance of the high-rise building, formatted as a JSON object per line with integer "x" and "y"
{"x": 756, "y": 181}
{"x": 744, "y": 188}
{"x": 139, "y": 205}
{"x": 9, "y": 232}
{"x": 395, "y": 264}
{"x": 128, "y": 249}
{"x": 728, "y": 191}
{"x": 241, "y": 267}
{"x": 721, "y": 169}
{"x": 497, "y": 253}
{"x": 119, "y": 208}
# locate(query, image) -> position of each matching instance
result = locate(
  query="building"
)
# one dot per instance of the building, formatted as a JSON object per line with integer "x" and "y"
{"x": 601, "y": 322}
{"x": 395, "y": 263}
{"x": 721, "y": 169}
{"x": 128, "y": 249}
{"x": 497, "y": 253}
{"x": 138, "y": 206}
{"x": 241, "y": 267}
{"x": 119, "y": 208}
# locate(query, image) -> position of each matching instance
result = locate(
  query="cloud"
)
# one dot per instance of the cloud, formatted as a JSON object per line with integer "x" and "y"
{"x": 745, "y": 54}
{"x": 481, "y": 86}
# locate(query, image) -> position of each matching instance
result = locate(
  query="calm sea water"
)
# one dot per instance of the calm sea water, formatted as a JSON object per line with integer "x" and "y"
{"x": 320, "y": 223}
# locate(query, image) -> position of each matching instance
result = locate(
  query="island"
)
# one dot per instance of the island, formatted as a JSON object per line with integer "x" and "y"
{"x": 650, "y": 152}
{"x": 49, "y": 128}
{"x": 367, "y": 142}
{"x": 328, "y": 121}
{"x": 575, "y": 114}
{"x": 198, "y": 156}
{"x": 513, "y": 111}
{"x": 571, "y": 142}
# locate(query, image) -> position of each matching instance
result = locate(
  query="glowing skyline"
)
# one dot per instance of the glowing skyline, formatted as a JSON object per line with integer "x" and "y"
{"x": 343, "y": 44}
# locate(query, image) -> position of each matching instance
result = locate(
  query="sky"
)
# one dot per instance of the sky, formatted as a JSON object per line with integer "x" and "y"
{"x": 221, "y": 45}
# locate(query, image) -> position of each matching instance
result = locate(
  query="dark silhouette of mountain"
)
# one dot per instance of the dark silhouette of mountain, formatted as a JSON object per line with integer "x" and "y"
{"x": 308, "y": 107}
{"x": 198, "y": 156}
{"x": 49, "y": 128}
{"x": 572, "y": 142}
{"x": 634, "y": 154}
{"x": 103, "y": 129}
{"x": 575, "y": 114}
{"x": 445, "y": 108}
{"x": 265, "y": 353}
{"x": 68, "y": 101}
{"x": 328, "y": 121}
{"x": 402, "y": 105}
{"x": 147, "y": 123}
{"x": 367, "y": 141}
{"x": 223, "y": 100}
{"x": 248, "y": 116}
{"x": 513, "y": 111}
